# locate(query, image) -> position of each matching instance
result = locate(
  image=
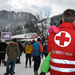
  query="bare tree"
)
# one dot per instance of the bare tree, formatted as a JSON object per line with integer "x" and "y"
{"x": 47, "y": 16}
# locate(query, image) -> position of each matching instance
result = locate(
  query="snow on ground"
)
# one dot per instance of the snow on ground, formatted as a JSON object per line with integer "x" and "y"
{"x": 20, "y": 68}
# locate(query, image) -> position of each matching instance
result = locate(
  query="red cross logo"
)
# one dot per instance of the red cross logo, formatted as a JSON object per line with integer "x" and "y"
{"x": 62, "y": 38}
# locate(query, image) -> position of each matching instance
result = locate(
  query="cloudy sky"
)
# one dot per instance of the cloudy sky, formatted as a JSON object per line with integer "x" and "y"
{"x": 47, "y": 7}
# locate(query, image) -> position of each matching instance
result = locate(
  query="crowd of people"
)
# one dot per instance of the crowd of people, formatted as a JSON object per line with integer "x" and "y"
{"x": 11, "y": 51}
{"x": 59, "y": 50}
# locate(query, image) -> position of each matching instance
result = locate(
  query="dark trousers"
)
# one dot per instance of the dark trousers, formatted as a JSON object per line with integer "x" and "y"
{"x": 2, "y": 57}
{"x": 28, "y": 56}
{"x": 37, "y": 61}
{"x": 45, "y": 54}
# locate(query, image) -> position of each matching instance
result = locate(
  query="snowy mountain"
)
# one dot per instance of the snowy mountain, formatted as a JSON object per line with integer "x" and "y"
{"x": 10, "y": 20}
{"x": 56, "y": 20}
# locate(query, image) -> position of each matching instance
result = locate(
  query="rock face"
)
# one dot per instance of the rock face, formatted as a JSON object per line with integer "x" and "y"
{"x": 56, "y": 20}
{"x": 12, "y": 20}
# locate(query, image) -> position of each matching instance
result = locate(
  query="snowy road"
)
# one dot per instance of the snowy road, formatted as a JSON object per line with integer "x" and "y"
{"x": 20, "y": 68}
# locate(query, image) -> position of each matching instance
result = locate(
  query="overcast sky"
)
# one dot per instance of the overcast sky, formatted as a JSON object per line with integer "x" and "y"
{"x": 47, "y": 7}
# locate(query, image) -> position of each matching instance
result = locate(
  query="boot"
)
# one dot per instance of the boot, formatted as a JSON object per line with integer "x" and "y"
{"x": 26, "y": 66}
{"x": 30, "y": 66}
{"x": 36, "y": 73}
{"x": 6, "y": 73}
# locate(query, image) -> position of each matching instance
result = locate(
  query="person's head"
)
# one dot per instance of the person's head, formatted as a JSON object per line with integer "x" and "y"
{"x": 68, "y": 15}
{"x": 29, "y": 42}
{"x": 39, "y": 39}
{"x": 33, "y": 40}
{"x": 14, "y": 40}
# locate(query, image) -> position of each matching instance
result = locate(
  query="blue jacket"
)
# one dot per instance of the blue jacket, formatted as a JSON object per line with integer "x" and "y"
{"x": 37, "y": 49}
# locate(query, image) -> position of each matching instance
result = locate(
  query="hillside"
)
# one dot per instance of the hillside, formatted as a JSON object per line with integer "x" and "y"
{"x": 14, "y": 21}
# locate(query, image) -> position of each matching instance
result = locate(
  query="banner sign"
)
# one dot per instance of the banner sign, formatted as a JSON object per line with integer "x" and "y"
{"x": 5, "y": 35}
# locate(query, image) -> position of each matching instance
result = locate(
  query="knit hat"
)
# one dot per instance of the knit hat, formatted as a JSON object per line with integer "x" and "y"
{"x": 53, "y": 28}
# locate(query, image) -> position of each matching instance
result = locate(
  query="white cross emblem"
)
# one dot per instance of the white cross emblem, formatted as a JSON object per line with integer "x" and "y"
{"x": 62, "y": 39}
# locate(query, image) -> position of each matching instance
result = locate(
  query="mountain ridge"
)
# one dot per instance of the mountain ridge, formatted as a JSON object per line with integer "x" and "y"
{"x": 11, "y": 20}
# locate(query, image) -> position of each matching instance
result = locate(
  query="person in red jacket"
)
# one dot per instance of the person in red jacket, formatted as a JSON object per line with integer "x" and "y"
{"x": 62, "y": 46}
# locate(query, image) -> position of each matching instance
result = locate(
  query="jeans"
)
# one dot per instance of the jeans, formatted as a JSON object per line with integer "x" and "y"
{"x": 13, "y": 65}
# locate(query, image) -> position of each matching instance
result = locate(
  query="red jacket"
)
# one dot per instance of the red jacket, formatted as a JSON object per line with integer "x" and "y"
{"x": 62, "y": 47}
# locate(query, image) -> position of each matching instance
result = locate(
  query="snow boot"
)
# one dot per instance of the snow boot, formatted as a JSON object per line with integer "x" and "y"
{"x": 36, "y": 73}
{"x": 6, "y": 73}
{"x": 26, "y": 66}
{"x": 30, "y": 66}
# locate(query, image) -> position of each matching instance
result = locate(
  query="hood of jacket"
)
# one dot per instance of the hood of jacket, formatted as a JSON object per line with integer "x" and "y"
{"x": 13, "y": 43}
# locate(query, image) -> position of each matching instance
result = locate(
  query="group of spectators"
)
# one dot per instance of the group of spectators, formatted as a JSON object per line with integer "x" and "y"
{"x": 11, "y": 53}
{"x": 36, "y": 51}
